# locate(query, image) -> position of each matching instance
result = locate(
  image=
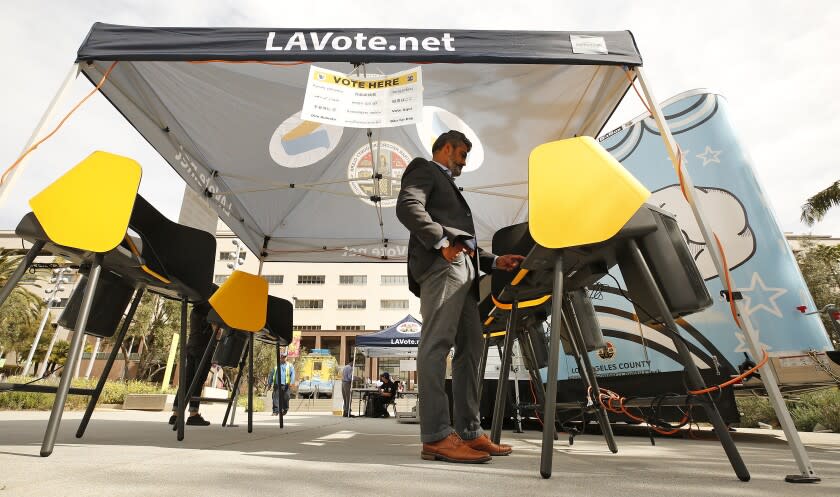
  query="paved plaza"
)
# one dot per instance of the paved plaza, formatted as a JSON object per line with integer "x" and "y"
{"x": 128, "y": 453}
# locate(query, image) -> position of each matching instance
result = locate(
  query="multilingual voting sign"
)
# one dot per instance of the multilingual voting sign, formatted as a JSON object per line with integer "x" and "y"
{"x": 373, "y": 101}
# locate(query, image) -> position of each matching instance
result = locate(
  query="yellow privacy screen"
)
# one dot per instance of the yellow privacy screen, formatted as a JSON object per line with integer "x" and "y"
{"x": 89, "y": 206}
{"x": 578, "y": 193}
{"x": 242, "y": 301}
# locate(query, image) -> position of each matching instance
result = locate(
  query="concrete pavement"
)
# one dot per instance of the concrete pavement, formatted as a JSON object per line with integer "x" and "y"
{"x": 134, "y": 453}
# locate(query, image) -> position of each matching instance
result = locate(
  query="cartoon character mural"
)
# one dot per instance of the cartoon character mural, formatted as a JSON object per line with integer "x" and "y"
{"x": 758, "y": 255}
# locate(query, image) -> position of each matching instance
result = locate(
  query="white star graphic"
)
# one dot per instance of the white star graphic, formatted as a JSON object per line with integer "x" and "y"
{"x": 763, "y": 296}
{"x": 742, "y": 342}
{"x": 684, "y": 158}
{"x": 709, "y": 155}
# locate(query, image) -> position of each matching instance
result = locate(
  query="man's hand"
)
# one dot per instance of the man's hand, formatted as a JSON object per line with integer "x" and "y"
{"x": 451, "y": 252}
{"x": 509, "y": 262}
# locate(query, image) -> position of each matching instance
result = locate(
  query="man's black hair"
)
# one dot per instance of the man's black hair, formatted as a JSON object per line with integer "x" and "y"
{"x": 453, "y": 138}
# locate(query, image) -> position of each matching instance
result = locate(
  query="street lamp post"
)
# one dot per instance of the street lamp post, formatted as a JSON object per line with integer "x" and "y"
{"x": 57, "y": 279}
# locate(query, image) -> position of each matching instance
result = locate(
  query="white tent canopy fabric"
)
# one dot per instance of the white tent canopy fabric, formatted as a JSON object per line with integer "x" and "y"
{"x": 222, "y": 108}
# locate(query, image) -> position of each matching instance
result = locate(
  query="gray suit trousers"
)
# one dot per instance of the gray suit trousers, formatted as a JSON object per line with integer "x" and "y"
{"x": 450, "y": 318}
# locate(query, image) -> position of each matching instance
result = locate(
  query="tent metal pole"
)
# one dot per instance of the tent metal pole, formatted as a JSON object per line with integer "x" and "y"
{"x": 768, "y": 376}
{"x": 63, "y": 90}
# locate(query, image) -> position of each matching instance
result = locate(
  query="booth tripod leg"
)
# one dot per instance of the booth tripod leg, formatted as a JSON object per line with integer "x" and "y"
{"x": 529, "y": 358}
{"x": 231, "y": 407}
{"x": 518, "y": 411}
{"x": 182, "y": 372}
{"x": 587, "y": 372}
{"x": 695, "y": 381}
{"x": 103, "y": 377}
{"x": 250, "y": 382}
{"x": 27, "y": 261}
{"x": 551, "y": 374}
{"x": 482, "y": 366}
{"x": 196, "y": 381}
{"x": 75, "y": 351}
{"x": 504, "y": 374}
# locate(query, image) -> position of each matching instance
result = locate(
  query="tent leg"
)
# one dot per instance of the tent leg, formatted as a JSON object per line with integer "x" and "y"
{"x": 768, "y": 376}
{"x": 63, "y": 91}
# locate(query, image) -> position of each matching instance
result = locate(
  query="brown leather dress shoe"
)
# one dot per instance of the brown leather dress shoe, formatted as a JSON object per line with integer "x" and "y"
{"x": 453, "y": 449}
{"x": 484, "y": 444}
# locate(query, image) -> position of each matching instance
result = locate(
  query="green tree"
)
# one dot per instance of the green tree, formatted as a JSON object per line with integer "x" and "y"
{"x": 820, "y": 266}
{"x": 20, "y": 314}
{"x": 58, "y": 356}
{"x": 154, "y": 323}
{"x": 817, "y": 206}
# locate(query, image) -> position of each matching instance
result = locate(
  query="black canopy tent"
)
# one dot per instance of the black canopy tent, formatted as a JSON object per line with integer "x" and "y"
{"x": 399, "y": 340}
{"x": 220, "y": 124}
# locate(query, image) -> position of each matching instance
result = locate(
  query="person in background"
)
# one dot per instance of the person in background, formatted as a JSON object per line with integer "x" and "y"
{"x": 347, "y": 385}
{"x": 200, "y": 334}
{"x": 281, "y": 378}
{"x": 387, "y": 395}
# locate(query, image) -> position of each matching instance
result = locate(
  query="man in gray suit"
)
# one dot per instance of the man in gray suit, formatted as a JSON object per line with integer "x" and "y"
{"x": 443, "y": 260}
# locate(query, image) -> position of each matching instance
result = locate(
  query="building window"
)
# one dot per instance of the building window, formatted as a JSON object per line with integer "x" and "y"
{"x": 393, "y": 304}
{"x": 352, "y": 279}
{"x": 220, "y": 278}
{"x": 311, "y": 279}
{"x": 273, "y": 279}
{"x": 307, "y": 327}
{"x": 309, "y": 304}
{"x": 349, "y": 327}
{"x": 231, "y": 255}
{"x": 352, "y": 304}
{"x": 394, "y": 279}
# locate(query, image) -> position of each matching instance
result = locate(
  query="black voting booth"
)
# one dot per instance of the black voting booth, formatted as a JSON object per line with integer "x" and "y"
{"x": 122, "y": 246}
{"x": 651, "y": 253}
{"x": 231, "y": 348}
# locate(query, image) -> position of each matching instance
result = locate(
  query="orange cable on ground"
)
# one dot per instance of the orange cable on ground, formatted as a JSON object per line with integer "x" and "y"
{"x": 735, "y": 379}
{"x": 61, "y": 123}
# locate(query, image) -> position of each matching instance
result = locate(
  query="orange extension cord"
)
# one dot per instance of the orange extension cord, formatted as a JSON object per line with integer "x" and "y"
{"x": 60, "y": 124}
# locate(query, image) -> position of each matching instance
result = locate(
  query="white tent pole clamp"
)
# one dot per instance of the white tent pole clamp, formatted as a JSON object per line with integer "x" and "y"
{"x": 63, "y": 90}
{"x": 768, "y": 376}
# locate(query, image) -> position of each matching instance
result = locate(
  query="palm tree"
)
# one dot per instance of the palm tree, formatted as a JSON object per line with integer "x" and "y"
{"x": 817, "y": 206}
{"x": 20, "y": 314}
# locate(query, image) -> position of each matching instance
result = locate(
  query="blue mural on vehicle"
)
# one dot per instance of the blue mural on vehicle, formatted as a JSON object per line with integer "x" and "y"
{"x": 761, "y": 262}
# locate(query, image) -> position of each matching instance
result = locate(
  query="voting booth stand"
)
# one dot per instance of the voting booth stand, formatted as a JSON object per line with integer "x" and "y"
{"x": 298, "y": 139}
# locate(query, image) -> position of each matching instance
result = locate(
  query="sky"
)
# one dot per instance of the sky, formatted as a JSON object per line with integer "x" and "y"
{"x": 775, "y": 62}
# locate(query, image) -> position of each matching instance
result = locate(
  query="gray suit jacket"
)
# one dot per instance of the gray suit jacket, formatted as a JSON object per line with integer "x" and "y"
{"x": 432, "y": 207}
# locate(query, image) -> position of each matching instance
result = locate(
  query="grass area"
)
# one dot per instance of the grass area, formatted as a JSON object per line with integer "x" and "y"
{"x": 114, "y": 392}
{"x": 822, "y": 406}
